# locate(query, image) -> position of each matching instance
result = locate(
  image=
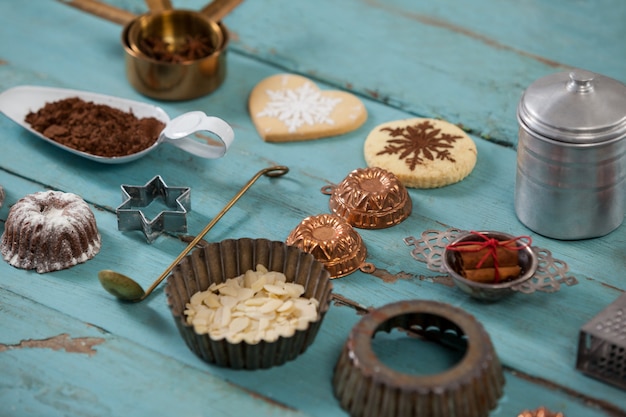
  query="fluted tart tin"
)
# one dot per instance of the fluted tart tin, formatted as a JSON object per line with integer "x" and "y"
{"x": 332, "y": 241}
{"x": 366, "y": 387}
{"x": 370, "y": 198}
{"x": 571, "y": 155}
{"x": 540, "y": 412}
{"x": 216, "y": 263}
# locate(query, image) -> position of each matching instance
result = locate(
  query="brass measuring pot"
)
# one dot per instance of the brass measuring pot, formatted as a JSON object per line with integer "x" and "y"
{"x": 164, "y": 80}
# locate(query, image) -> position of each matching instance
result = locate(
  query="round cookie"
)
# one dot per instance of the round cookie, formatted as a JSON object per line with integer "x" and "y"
{"x": 422, "y": 153}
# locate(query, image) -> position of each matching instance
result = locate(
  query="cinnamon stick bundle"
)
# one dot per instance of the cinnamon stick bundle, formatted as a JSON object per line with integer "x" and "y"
{"x": 488, "y": 275}
{"x": 473, "y": 254}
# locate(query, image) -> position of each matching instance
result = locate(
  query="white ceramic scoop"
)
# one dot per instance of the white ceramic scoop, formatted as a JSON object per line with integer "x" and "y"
{"x": 17, "y": 102}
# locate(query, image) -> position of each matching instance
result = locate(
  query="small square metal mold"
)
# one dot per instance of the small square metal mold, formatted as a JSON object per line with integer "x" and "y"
{"x": 130, "y": 216}
{"x": 602, "y": 345}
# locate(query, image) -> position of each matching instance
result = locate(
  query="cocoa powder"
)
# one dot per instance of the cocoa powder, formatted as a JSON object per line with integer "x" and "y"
{"x": 96, "y": 129}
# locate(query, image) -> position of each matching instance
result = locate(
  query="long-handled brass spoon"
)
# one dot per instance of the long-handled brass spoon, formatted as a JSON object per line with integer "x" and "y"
{"x": 127, "y": 289}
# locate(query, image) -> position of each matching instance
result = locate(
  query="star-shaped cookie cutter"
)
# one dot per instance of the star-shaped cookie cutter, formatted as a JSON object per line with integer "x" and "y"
{"x": 130, "y": 216}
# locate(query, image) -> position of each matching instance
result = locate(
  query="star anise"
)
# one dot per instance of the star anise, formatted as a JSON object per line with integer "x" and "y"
{"x": 157, "y": 48}
{"x": 196, "y": 47}
{"x": 192, "y": 48}
{"x": 416, "y": 143}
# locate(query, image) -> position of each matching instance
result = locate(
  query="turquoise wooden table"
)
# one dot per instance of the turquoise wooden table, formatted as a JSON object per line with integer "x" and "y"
{"x": 68, "y": 348}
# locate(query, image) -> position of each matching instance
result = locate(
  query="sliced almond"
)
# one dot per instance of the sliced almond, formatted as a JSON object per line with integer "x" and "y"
{"x": 275, "y": 289}
{"x": 272, "y": 304}
{"x": 258, "y": 284}
{"x": 286, "y": 307}
{"x": 238, "y": 325}
{"x": 257, "y": 305}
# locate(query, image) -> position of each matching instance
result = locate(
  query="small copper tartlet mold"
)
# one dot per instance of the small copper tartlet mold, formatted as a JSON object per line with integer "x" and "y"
{"x": 540, "y": 271}
{"x": 540, "y": 412}
{"x": 370, "y": 198}
{"x": 602, "y": 345}
{"x": 216, "y": 262}
{"x": 332, "y": 241}
{"x": 365, "y": 387}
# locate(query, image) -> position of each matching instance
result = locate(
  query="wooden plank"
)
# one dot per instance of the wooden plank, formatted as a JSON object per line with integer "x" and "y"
{"x": 59, "y": 366}
{"x": 514, "y": 332}
{"x": 534, "y": 335}
{"x": 98, "y": 373}
{"x": 461, "y": 61}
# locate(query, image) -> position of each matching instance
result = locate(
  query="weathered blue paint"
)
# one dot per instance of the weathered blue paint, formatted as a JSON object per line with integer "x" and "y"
{"x": 466, "y": 62}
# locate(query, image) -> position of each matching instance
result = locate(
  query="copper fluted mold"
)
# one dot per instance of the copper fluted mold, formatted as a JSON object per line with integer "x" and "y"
{"x": 371, "y": 198}
{"x": 217, "y": 262}
{"x": 332, "y": 241}
{"x": 540, "y": 412}
{"x": 365, "y": 387}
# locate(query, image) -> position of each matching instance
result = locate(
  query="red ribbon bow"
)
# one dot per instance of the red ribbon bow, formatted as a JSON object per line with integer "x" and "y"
{"x": 491, "y": 244}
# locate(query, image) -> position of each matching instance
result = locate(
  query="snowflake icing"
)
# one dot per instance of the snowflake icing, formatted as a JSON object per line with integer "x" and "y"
{"x": 416, "y": 143}
{"x": 296, "y": 107}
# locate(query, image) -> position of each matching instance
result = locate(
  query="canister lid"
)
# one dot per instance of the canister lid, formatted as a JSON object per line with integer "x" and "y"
{"x": 575, "y": 106}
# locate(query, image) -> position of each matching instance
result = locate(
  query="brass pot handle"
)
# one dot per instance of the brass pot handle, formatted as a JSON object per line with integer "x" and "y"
{"x": 158, "y": 6}
{"x": 103, "y": 10}
{"x": 218, "y": 9}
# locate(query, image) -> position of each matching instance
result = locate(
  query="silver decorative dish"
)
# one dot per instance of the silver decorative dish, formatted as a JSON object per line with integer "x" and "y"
{"x": 527, "y": 260}
{"x": 539, "y": 270}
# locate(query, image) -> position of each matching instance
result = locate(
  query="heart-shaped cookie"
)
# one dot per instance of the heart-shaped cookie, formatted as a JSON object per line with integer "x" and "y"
{"x": 287, "y": 107}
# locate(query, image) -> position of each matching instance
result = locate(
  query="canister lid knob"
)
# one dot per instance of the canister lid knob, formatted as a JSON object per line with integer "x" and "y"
{"x": 581, "y": 81}
{"x": 576, "y": 106}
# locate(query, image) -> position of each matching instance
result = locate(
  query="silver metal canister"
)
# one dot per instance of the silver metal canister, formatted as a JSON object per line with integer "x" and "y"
{"x": 571, "y": 155}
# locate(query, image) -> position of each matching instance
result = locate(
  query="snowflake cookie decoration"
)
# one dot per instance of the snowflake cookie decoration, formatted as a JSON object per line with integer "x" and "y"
{"x": 415, "y": 143}
{"x": 299, "y": 106}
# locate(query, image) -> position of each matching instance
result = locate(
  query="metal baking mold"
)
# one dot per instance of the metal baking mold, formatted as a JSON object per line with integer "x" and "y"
{"x": 219, "y": 261}
{"x": 370, "y": 198}
{"x": 365, "y": 387}
{"x": 540, "y": 412}
{"x": 602, "y": 345}
{"x": 548, "y": 277}
{"x": 136, "y": 197}
{"x": 332, "y": 241}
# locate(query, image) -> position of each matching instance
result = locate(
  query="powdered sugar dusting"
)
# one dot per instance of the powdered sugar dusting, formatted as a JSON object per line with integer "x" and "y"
{"x": 48, "y": 231}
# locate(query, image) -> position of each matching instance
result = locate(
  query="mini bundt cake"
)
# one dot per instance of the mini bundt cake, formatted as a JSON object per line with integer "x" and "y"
{"x": 49, "y": 231}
